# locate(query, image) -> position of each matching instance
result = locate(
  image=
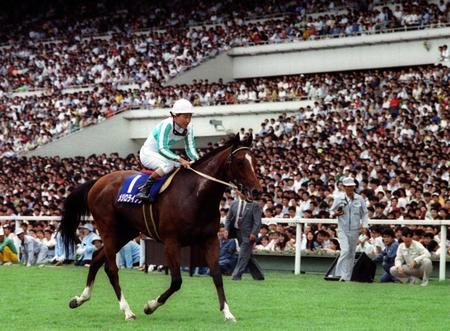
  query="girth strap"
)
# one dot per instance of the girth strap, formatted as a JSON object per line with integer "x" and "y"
{"x": 153, "y": 234}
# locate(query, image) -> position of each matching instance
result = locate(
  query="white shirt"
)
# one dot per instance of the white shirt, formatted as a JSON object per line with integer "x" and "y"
{"x": 241, "y": 204}
{"x": 416, "y": 252}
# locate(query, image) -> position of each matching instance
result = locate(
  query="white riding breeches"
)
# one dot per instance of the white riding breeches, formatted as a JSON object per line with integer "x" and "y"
{"x": 152, "y": 160}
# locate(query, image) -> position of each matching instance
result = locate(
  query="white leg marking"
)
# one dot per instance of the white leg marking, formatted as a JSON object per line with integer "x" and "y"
{"x": 151, "y": 306}
{"x": 79, "y": 300}
{"x": 123, "y": 304}
{"x": 227, "y": 313}
{"x": 86, "y": 295}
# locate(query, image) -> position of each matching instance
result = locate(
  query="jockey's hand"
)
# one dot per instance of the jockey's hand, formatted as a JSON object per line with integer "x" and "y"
{"x": 184, "y": 163}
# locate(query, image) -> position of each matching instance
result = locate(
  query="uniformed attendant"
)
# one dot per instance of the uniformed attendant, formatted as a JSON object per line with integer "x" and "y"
{"x": 350, "y": 208}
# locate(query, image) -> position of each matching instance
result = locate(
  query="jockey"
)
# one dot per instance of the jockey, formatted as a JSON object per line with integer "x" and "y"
{"x": 155, "y": 154}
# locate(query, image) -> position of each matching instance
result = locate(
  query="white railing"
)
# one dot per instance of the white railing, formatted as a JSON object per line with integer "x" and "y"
{"x": 299, "y": 221}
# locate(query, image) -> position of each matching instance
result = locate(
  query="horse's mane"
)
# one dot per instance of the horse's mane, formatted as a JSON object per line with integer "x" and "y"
{"x": 229, "y": 142}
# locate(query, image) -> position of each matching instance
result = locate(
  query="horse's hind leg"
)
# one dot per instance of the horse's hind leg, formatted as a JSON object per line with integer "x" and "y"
{"x": 212, "y": 258}
{"x": 112, "y": 246}
{"x": 98, "y": 259}
{"x": 172, "y": 251}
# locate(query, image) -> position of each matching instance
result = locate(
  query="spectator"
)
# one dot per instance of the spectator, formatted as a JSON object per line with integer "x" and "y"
{"x": 364, "y": 245}
{"x": 284, "y": 243}
{"x": 322, "y": 240}
{"x": 60, "y": 257}
{"x": 228, "y": 255}
{"x": 334, "y": 247}
{"x": 376, "y": 239}
{"x": 388, "y": 255}
{"x": 8, "y": 252}
{"x": 129, "y": 255}
{"x": 33, "y": 250}
{"x": 97, "y": 242}
{"x": 413, "y": 260}
{"x": 85, "y": 248}
{"x": 264, "y": 244}
{"x": 310, "y": 243}
{"x": 50, "y": 242}
{"x": 9, "y": 233}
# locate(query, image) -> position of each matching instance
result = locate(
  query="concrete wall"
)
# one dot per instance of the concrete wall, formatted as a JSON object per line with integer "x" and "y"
{"x": 125, "y": 132}
{"x": 362, "y": 52}
{"x": 219, "y": 67}
{"x": 232, "y": 117}
{"x": 109, "y": 136}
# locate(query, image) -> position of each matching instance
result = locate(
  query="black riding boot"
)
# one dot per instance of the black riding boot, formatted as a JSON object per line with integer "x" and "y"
{"x": 144, "y": 190}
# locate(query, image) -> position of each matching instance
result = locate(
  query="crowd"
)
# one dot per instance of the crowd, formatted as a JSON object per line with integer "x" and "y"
{"x": 27, "y": 122}
{"x": 387, "y": 129}
{"x": 40, "y": 243}
{"x": 160, "y": 54}
{"x": 85, "y": 19}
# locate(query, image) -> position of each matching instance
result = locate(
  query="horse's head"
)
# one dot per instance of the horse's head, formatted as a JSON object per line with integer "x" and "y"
{"x": 241, "y": 168}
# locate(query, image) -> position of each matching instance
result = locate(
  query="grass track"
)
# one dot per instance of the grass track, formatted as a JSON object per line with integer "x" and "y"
{"x": 37, "y": 299}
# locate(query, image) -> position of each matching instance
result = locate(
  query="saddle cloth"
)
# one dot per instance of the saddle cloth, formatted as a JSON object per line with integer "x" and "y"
{"x": 130, "y": 187}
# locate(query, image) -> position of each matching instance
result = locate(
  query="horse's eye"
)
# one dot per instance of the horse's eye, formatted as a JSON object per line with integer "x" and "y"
{"x": 240, "y": 163}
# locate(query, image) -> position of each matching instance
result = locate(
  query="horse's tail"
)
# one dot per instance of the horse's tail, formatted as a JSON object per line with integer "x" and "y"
{"x": 75, "y": 207}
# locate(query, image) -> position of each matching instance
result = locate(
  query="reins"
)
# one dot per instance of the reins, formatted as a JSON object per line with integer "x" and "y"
{"x": 233, "y": 186}
{"x": 213, "y": 178}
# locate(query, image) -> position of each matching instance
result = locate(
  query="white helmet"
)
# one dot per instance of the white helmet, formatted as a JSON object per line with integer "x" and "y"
{"x": 182, "y": 106}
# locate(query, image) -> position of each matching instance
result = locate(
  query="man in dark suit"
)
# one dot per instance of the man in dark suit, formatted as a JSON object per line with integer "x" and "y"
{"x": 243, "y": 222}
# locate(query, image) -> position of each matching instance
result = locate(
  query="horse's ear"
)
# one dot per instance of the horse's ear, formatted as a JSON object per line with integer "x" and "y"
{"x": 236, "y": 141}
{"x": 248, "y": 141}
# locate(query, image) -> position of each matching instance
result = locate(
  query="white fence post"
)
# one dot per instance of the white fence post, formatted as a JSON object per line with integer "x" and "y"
{"x": 443, "y": 255}
{"x": 298, "y": 248}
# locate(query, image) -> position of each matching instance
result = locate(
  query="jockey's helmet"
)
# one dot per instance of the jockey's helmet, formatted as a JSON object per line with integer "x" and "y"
{"x": 182, "y": 106}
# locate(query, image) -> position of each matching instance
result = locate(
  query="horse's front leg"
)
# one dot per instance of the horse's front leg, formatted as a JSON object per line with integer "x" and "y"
{"x": 97, "y": 261}
{"x": 212, "y": 259}
{"x": 172, "y": 252}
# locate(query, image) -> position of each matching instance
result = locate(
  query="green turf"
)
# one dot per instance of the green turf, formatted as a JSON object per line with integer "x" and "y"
{"x": 37, "y": 299}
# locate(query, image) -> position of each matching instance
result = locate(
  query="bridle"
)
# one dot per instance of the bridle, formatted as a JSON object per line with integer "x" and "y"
{"x": 236, "y": 186}
{"x": 239, "y": 186}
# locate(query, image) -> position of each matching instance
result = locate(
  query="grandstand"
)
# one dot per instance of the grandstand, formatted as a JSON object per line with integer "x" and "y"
{"x": 327, "y": 89}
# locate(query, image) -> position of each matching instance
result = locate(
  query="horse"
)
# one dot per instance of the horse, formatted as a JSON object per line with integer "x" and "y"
{"x": 186, "y": 213}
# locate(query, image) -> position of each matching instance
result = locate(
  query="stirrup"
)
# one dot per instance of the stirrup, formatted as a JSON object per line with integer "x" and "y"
{"x": 142, "y": 196}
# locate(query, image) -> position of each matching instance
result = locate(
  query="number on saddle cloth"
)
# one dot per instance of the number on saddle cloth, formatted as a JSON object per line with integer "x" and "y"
{"x": 130, "y": 187}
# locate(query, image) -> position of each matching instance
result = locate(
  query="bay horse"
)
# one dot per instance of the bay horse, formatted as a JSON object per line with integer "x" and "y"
{"x": 186, "y": 213}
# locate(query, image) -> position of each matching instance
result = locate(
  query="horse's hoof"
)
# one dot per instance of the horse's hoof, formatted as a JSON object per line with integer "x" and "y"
{"x": 147, "y": 309}
{"x": 130, "y": 318}
{"x": 150, "y": 307}
{"x": 230, "y": 319}
{"x": 73, "y": 303}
